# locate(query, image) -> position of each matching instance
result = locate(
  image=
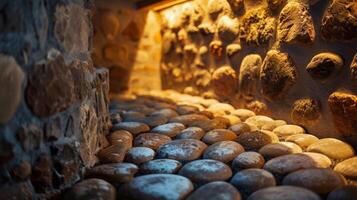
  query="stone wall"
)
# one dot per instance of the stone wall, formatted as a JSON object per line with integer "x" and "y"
{"x": 53, "y": 102}
{"x": 291, "y": 59}
{"x": 127, "y": 41}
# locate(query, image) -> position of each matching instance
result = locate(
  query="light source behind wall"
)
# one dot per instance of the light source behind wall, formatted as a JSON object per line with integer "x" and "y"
{"x": 157, "y": 5}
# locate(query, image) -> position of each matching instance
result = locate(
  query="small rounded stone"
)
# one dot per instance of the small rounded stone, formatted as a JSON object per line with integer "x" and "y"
{"x": 121, "y": 137}
{"x": 191, "y": 133}
{"x": 243, "y": 114}
{"x": 256, "y": 139}
{"x": 240, "y": 128}
{"x": 333, "y": 148}
{"x": 133, "y": 127}
{"x": 186, "y": 109}
{"x": 258, "y": 120}
{"x": 287, "y": 130}
{"x": 321, "y": 181}
{"x": 138, "y": 155}
{"x": 160, "y": 166}
{"x": 170, "y": 129}
{"x": 348, "y": 192}
{"x": 92, "y": 189}
{"x": 250, "y": 180}
{"x": 183, "y": 150}
{"x": 278, "y": 149}
{"x": 218, "y": 135}
{"x": 159, "y": 186}
{"x": 248, "y": 159}
{"x": 324, "y": 65}
{"x": 224, "y": 151}
{"x": 270, "y": 126}
{"x": 284, "y": 192}
{"x": 151, "y": 140}
{"x": 113, "y": 153}
{"x": 306, "y": 111}
{"x": 220, "y": 109}
{"x": 303, "y": 140}
{"x": 348, "y": 168}
{"x": 205, "y": 171}
{"x": 188, "y": 120}
{"x": 114, "y": 173}
{"x": 214, "y": 191}
{"x": 166, "y": 112}
{"x": 232, "y": 119}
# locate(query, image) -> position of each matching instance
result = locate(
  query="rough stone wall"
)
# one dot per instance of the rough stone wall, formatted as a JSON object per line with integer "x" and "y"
{"x": 291, "y": 59}
{"x": 53, "y": 102}
{"x": 127, "y": 41}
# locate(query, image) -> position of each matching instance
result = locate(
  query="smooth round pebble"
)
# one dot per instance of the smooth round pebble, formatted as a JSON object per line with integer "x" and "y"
{"x": 138, "y": 155}
{"x": 91, "y": 189}
{"x": 232, "y": 119}
{"x": 284, "y": 193}
{"x": 278, "y": 149}
{"x": 159, "y": 187}
{"x": 217, "y": 190}
{"x": 151, "y": 140}
{"x": 258, "y": 120}
{"x": 121, "y": 137}
{"x": 243, "y": 114}
{"x": 182, "y": 150}
{"x": 189, "y": 120}
{"x": 205, "y": 171}
{"x": 248, "y": 159}
{"x": 224, "y": 151}
{"x": 303, "y": 140}
{"x": 348, "y": 192}
{"x": 170, "y": 129}
{"x": 348, "y": 168}
{"x": 250, "y": 180}
{"x": 256, "y": 139}
{"x": 287, "y": 130}
{"x": 186, "y": 109}
{"x": 114, "y": 173}
{"x": 160, "y": 166}
{"x": 240, "y": 128}
{"x": 112, "y": 154}
{"x": 166, "y": 112}
{"x": 270, "y": 126}
{"x": 218, "y": 135}
{"x": 191, "y": 133}
{"x": 321, "y": 181}
{"x": 133, "y": 127}
{"x": 333, "y": 148}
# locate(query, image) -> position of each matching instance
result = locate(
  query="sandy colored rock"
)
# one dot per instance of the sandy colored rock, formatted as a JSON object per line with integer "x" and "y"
{"x": 114, "y": 173}
{"x": 321, "y": 181}
{"x": 306, "y": 111}
{"x": 91, "y": 189}
{"x": 224, "y": 151}
{"x": 243, "y": 114}
{"x": 322, "y": 160}
{"x": 295, "y": 24}
{"x": 215, "y": 190}
{"x": 284, "y": 192}
{"x": 160, "y": 166}
{"x": 121, "y": 137}
{"x": 218, "y": 135}
{"x": 258, "y": 120}
{"x": 278, "y": 74}
{"x": 133, "y": 127}
{"x": 270, "y": 126}
{"x": 248, "y": 159}
{"x": 283, "y": 165}
{"x": 224, "y": 81}
{"x": 343, "y": 107}
{"x": 303, "y": 140}
{"x": 232, "y": 119}
{"x": 258, "y": 26}
{"x": 233, "y": 49}
{"x": 278, "y": 149}
{"x": 110, "y": 24}
{"x": 348, "y": 168}
{"x": 275, "y": 4}
{"x": 191, "y": 133}
{"x": 216, "y": 48}
{"x": 139, "y": 155}
{"x": 207, "y": 29}
{"x": 151, "y": 140}
{"x": 227, "y": 28}
{"x": 339, "y": 22}
{"x": 205, "y": 171}
{"x": 249, "y": 75}
{"x": 258, "y": 107}
{"x": 348, "y": 192}
{"x": 285, "y": 131}
{"x": 11, "y": 77}
{"x": 324, "y": 65}
{"x": 240, "y": 128}
{"x": 159, "y": 186}
{"x": 218, "y": 7}
{"x": 220, "y": 109}
{"x": 250, "y": 180}
{"x": 256, "y": 139}
{"x": 332, "y": 148}
{"x": 182, "y": 150}
{"x": 236, "y": 5}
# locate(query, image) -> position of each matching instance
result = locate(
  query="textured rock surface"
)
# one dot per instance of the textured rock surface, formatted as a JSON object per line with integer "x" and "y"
{"x": 339, "y": 21}
{"x": 324, "y": 65}
{"x": 160, "y": 166}
{"x": 114, "y": 173}
{"x": 224, "y": 81}
{"x": 306, "y": 111}
{"x": 249, "y": 75}
{"x": 224, "y": 151}
{"x": 228, "y": 28}
{"x": 151, "y": 140}
{"x": 256, "y": 139}
{"x": 248, "y": 159}
{"x": 295, "y": 24}
{"x": 278, "y": 74}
